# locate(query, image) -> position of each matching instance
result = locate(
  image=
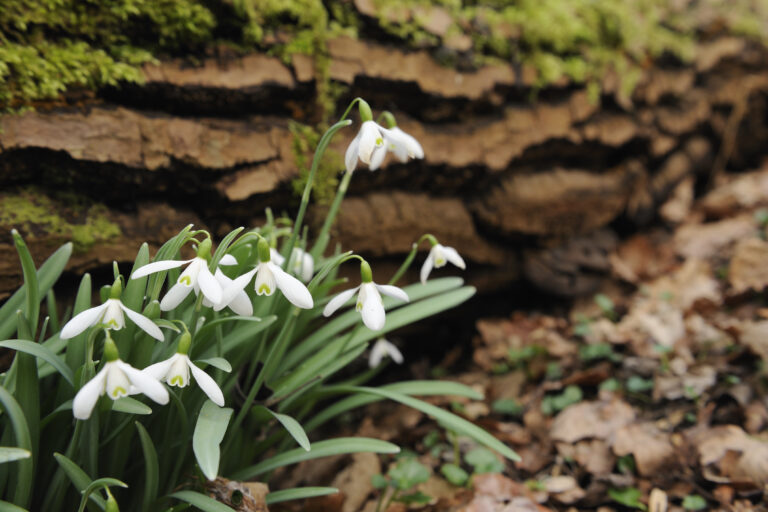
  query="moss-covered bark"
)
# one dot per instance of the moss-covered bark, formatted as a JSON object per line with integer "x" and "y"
{"x": 50, "y": 46}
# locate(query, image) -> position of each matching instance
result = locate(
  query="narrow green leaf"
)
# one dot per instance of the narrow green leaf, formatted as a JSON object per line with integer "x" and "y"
{"x": 41, "y": 352}
{"x": 207, "y": 329}
{"x": 31, "y": 286}
{"x": 131, "y": 406}
{"x": 151, "y": 467}
{"x": 217, "y": 362}
{"x": 10, "y": 453}
{"x": 221, "y": 250}
{"x": 298, "y": 493}
{"x": 75, "y": 355}
{"x": 96, "y": 484}
{"x": 48, "y": 274}
{"x": 415, "y": 387}
{"x": 167, "y": 252}
{"x": 209, "y": 432}
{"x": 338, "y": 446}
{"x": 21, "y": 433}
{"x": 10, "y": 507}
{"x": 78, "y": 477}
{"x": 27, "y": 386}
{"x": 201, "y": 501}
{"x": 292, "y": 426}
{"x": 450, "y": 420}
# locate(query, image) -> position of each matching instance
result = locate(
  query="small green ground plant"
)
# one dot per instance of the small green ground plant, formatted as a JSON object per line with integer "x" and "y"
{"x": 236, "y": 358}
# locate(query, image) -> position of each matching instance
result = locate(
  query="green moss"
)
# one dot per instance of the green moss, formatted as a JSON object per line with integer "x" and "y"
{"x": 82, "y": 222}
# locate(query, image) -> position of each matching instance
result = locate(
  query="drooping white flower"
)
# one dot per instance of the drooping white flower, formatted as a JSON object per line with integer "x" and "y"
{"x": 303, "y": 264}
{"x": 175, "y": 371}
{"x": 269, "y": 277}
{"x": 240, "y": 303}
{"x": 403, "y": 145}
{"x": 111, "y": 315}
{"x": 117, "y": 379}
{"x": 367, "y": 146}
{"x": 197, "y": 276}
{"x": 369, "y": 302}
{"x": 437, "y": 257}
{"x": 383, "y": 348}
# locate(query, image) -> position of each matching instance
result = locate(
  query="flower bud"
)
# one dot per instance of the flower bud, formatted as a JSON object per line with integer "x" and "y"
{"x": 366, "y": 274}
{"x": 204, "y": 249}
{"x": 263, "y": 250}
{"x": 389, "y": 118}
{"x": 365, "y": 111}
{"x": 184, "y": 343}
{"x": 117, "y": 288}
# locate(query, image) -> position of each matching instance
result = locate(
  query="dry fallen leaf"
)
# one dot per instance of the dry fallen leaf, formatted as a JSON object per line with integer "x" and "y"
{"x": 650, "y": 447}
{"x": 354, "y": 481}
{"x": 732, "y": 456}
{"x": 599, "y": 420}
{"x": 707, "y": 240}
{"x": 748, "y": 269}
{"x": 691, "y": 384}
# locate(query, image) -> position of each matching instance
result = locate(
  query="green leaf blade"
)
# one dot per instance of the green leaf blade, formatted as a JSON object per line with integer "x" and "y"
{"x": 211, "y": 426}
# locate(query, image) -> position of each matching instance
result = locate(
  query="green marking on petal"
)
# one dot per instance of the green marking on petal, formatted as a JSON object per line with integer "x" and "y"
{"x": 439, "y": 262}
{"x": 379, "y": 141}
{"x": 177, "y": 380}
{"x": 186, "y": 280}
{"x": 112, "y": 323}
{"x": 118, "y": 392}
{"x": 264, "y": 290}
{"x": 359, "y": 306}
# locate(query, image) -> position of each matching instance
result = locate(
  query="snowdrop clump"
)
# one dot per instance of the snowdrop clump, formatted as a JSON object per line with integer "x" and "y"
{"x": 259, "y": 359}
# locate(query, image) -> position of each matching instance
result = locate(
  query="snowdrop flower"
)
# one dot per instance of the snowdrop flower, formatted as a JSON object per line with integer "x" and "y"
{"x": 111, "y": 315}
{"x": 175, "y": 371}
{"x": 303, "y": 264}
{"x": 117, "y": 379}
{"x": 383, "y": 348}
{"x": 269, "y": 277}
{"x": 195, "y": 277}
{"x": 403, "y": 145}
{"x": 368, "y": 146}
{"x": 438, "y": 256}
{"x": 368, "y": 299}
{"x": 240, "y": 303}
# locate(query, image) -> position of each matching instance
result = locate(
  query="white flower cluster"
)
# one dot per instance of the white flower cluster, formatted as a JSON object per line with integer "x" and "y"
{"x": 118, "y": 379}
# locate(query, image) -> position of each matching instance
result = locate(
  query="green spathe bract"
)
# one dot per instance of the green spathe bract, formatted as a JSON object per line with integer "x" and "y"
{"x": 283, "y": 360}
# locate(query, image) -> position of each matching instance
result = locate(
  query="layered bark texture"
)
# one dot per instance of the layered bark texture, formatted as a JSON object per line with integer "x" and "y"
{"x": 532, "y": 182}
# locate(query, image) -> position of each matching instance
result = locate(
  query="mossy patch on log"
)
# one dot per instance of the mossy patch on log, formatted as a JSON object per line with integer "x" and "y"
{"x": 84, "y": 223}
{"x": 50, "y": 46}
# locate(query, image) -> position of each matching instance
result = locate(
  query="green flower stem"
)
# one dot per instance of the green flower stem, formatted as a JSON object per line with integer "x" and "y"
{"x": 324, "y": 236}
{"x": 411, "y": 255}
{"x": 321, "y": 147}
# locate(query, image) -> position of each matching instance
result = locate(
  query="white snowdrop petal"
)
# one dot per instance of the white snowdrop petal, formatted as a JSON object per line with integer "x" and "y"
{"x": 233, "y": 288}
{"x": 175, "y": 296}
{"x": 293, "y": 289}
{"x": 338, "y": 301}
{"x": 370, "y": 138}
{"x": 241, "y": 304}
{"x": 158, "y": 266}
{"x": 377, "y": 354}
{"x": 453, "y": 256}
{"x": 377, "y": 158}
{"x": 393, "y": 291}
{"x": 373, "y": 312}
{"x": 85, "y": 399}
{"x": 426, "y": 268}
{"x": 144, "y": 323}
{"x": 207, "y": 384}
{"x": 350, "y": 157}
{"x": 209, "y": 285}
{"x": 160, "y": 370}
{"x": 82, "y": 321}
{"x": 394, "y": 352}
{"x": 228, "y": 260}
{"x": 276, "y": 257}
{"x": 307, "y": 267}
{"x": 145, "y": 383}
